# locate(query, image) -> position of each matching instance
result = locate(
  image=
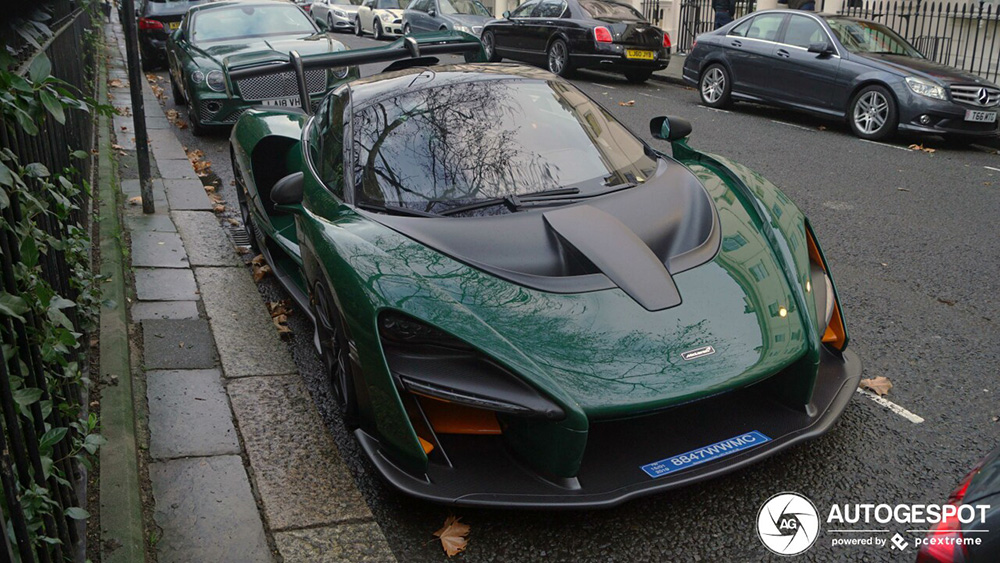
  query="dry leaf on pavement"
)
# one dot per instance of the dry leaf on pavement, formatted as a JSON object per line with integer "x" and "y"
{"x": 627, "y": 104}
{"x": 260, "y": 272}
{"x": 137, "y": 200}
{"x": 452, "y": 536}
{"x": 116, "y": 83}
{"x": 219, "y": 208}
{"x": 281, "y": 323}
{"x": 879, "y": 385}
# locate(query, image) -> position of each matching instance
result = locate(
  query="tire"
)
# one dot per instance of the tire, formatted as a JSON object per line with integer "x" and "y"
{"x": 872, "y": 114}
{"x": 176, "y": 92}
{"x": 490, "y": 47}
{"x": 379, "y": 34}
{"x": 197, "y": 129}
{"x": 241, "y": 196}
{"x": 638, "y": 76}
{"x": 406, "y": 29}
{"x": 357, "y": 27}
{"x": 335, "y": 355}
{"x": 329, "y": 23}
{"x": 715, "y": 87}
{"x": 557, "y": 56}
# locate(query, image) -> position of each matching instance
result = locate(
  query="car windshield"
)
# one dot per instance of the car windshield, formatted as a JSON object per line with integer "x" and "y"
{"x": 870, "y": 37}
{"x": 442, "y": 147}
{"x": 467, "y": 7}
{"x": 600, "y": 10}
{"x": 236, "y": 22}
{"x": 346, "y": 2}
{"x": 388, "y": 5}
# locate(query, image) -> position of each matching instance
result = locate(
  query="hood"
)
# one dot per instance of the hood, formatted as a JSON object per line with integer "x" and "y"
{"x": 922, "y": 67}
{"x": 346, "y": 8}
{"x": 470, "y": 20}
{"x": 395, "y": 13}
{"x": 602, "y": 349}
{"x": 232, "y": 53}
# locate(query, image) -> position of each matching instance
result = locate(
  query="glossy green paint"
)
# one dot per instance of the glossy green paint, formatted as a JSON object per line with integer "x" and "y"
{"x": 185, "y": 57}
{"x": 598, "y": 354}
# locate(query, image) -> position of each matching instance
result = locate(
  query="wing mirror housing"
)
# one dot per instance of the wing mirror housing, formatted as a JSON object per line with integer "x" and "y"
{"x": 287, "y": 192}
{"x": 432, "y": 13}
{"x": 506, "y": 14}
{"x": 669, "y": 128}
{"x": 821, "y": 48}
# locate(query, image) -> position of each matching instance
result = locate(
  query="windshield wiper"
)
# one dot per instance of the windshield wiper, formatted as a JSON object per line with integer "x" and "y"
{"x": 397, "y": 210}
{"x": 514, "y": 201}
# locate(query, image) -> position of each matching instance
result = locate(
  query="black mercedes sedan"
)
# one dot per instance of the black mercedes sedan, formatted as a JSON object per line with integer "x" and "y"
{"x": 566, "y": 35}
{"x": 157, "y": 20}
{"x": 840, "y": 67}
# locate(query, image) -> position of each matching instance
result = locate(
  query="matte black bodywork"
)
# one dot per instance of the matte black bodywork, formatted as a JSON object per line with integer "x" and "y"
{"x": 153, "y": 42}
{"x": 774, "y": 72}
{"x": 526, "y": 36}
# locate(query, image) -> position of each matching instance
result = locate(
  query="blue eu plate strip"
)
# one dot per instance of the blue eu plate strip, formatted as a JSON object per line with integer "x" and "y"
{"x": 704, "y": 454}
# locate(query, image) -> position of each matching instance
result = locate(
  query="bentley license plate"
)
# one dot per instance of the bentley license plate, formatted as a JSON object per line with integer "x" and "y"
{"x": 282, "y": 102}
{"x": 639, "y": 54}
{"x": 174, "y": 25}
{"x": 980, "y": 116}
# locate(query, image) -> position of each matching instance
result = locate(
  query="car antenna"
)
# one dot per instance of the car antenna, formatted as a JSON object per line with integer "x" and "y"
{"x": 300, "y": 77}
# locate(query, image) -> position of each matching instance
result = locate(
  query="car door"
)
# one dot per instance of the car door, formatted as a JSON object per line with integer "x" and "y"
{"x": 510, "y": 38}
{"x": 544, "y": 24}
{"x": 750, "y": 49}
{"x": 428, "y": 22}
{"x": 803, "y": 78}
{"x": 366, "y": 15}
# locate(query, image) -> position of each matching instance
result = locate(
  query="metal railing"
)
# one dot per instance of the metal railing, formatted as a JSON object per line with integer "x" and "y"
{"x": 697, "y": 17}
{"x": 958, "y": 34}
{"x": 28, "y": 363}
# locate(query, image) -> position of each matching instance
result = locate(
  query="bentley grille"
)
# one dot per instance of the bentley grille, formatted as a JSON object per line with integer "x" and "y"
{"x": 281, "y": 85}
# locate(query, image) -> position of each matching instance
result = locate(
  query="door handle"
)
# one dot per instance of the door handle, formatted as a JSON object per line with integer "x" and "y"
{"x": 549, "y": 22}
{"x": 784, "y": 54}
{"x": 737, "y": 43}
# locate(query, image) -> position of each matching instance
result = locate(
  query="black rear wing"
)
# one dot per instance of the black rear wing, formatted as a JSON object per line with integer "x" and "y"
{"x": 443, "y": 43}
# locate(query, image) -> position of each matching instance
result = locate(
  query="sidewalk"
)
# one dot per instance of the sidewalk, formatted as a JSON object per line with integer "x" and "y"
{"x": 240, "y": 466}
{"x": 673, "y": 72}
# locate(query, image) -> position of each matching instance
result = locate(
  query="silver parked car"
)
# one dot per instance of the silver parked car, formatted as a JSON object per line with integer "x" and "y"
{"x": 335, "y": 15}
{"x": 423, "y": 16}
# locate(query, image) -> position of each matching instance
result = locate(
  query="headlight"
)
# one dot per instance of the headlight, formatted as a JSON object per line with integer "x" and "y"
{"x": 340, "y": 72}
{"x": 926, "y": 88}
{"x": 340, "y": 13}
{"x": 197, "y": 77}
{"x": 462, "y": 28}
{"x": 832, "y": 327}
{"x": 385, "y": 16}
{"x": 216, "y": 80}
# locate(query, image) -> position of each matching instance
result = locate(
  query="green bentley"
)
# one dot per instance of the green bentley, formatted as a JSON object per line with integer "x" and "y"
{"x": 219, "y": 36}
{"x": 519, "y": 301}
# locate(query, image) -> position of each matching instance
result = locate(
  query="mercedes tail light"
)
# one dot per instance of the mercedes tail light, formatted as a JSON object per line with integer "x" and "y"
{"x": 147, "y": 24}
{"x": 602, "y": 34}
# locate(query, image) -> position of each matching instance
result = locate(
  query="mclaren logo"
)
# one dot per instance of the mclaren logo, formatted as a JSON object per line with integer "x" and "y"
{"x": 984, "y": 96}
{"x": 698, "y": 353}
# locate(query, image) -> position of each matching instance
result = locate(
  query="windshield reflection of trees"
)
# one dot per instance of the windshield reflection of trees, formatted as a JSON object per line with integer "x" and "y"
{"x": 455, "y": 146}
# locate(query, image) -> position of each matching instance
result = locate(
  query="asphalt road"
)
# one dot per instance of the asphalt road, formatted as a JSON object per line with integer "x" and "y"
{"x": 908, "y": 237}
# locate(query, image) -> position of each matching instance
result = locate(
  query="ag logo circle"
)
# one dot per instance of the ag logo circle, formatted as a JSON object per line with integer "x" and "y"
{"x": 788, "y": 523}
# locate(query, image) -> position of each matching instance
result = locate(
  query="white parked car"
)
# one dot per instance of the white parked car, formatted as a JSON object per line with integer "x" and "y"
{"x": 336, "y": 15}
{"x": 381, "y": 18}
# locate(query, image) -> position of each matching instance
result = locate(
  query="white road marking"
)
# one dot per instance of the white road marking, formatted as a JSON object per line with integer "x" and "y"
{"x": 892, "y": 406}
{"x": 716, "y": 109}
{"x": 647, "y": 95}
{"x": 792, "y": 125}
{"x": 907, "y": 149}
{"x": 991, "y": 168}
{"x": 606, "y": 86}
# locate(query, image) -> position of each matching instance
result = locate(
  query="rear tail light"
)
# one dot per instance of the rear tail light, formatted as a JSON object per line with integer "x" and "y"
{"x": 666, "y": 40}
{"x": 945, "y": 542}
{"x": 602, "y": 35}
{"x": 147, "y": 24}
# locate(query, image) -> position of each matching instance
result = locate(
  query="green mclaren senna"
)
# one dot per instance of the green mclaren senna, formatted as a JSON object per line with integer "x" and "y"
{"x": 522, "y": 303}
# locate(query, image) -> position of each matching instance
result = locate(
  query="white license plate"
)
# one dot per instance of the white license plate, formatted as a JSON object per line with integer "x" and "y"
{"x": 981, "y": 116}
{"x": 282, "y": 102}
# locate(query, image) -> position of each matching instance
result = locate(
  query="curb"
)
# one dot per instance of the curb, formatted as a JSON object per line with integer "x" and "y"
{"x": 120, "y": 501}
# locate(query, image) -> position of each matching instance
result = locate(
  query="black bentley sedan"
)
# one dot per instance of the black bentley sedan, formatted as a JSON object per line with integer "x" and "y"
{"x": 570, "y": 34}
{"x": 157, "y": 20}
{"x": 841, "y": 67}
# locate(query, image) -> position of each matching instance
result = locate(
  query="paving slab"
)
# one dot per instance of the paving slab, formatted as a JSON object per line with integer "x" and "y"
{"x": 299, "y": 474}
{"x": 142, "y": 310}
{"x": 248, "y": 342}
{"x": 206, "y": 511}
{"x": 189, "y": 414}
{"x": 151, "y": 223}
{"x": 358, "y": 542}
{"x": 176, "y": 168}
{"x": 208, "y": 243}
{"x": 158, "y": 122}
{"x": 131, "y": 189}
{"x": 187, "y": 194}
{"x": 177, "y": 344}
{"x": 152, "y": 249}
{"x": 165, "y": 145}
{"x": 165, "y": 284}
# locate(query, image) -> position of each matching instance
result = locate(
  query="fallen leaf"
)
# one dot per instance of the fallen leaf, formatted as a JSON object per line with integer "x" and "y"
{"x": 232, "y": 221}
{"x": 261, "y": 272}
{"x": 281, "y": 323}
{"x": 902, "y": 189}
{"x": 242, "y": 250}
{"x": 279, "y": 308}
{"x": 996, "y": 419}
{"x": 118, "y": 147}
{"x": 629, "y": 103}
{"x": 822, "y": 128}
{"x": 116, "y": 83}
{"x": 948, "y": 302}
{"x": 152, "y": 77}
{"x": 181, "y": 124}
{"x": 452, "y": 536}
{"x": 137, "y": 200}
{"x": 879, "y": 385}
{"x": 258, "y": 260}
{"x": 216, "y": 198}
{"x": 219, "y": 208}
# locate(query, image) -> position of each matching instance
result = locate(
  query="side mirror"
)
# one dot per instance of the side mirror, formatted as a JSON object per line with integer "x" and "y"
{"x": 432, "y": 13}
{"x": 506, "y": 14}
{"x": 669, "y": 128}
{"x": 821, "y": 48}
{"x": 288, "y": 190}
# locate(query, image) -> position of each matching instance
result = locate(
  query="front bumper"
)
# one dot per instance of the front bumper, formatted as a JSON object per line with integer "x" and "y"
{"x": 946, "y": 117}
{"x": 219, "y": 110}
{"x": 345, "y": 22}
{"x": 393, "y": 28}
{"x": 483, "y": 472}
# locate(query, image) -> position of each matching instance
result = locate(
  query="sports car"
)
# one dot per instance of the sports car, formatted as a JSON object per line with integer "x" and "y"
{"x": 519, "y": 301}
{"x": 219, "y": 36}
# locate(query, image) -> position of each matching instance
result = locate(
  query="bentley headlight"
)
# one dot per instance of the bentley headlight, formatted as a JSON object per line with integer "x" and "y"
{"x": 385, "y": 16}
{"x": 340, "y": 73}
{"x": 926, "y": 88}
{"x": 216, "y": 80}
{"x": 197, "y": 77}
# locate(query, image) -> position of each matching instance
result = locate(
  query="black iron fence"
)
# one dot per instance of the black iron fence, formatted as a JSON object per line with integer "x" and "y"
{"x": 963, "y": 35}
{"x": 697, "y": 17}
{"x": 42, "y": 335}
